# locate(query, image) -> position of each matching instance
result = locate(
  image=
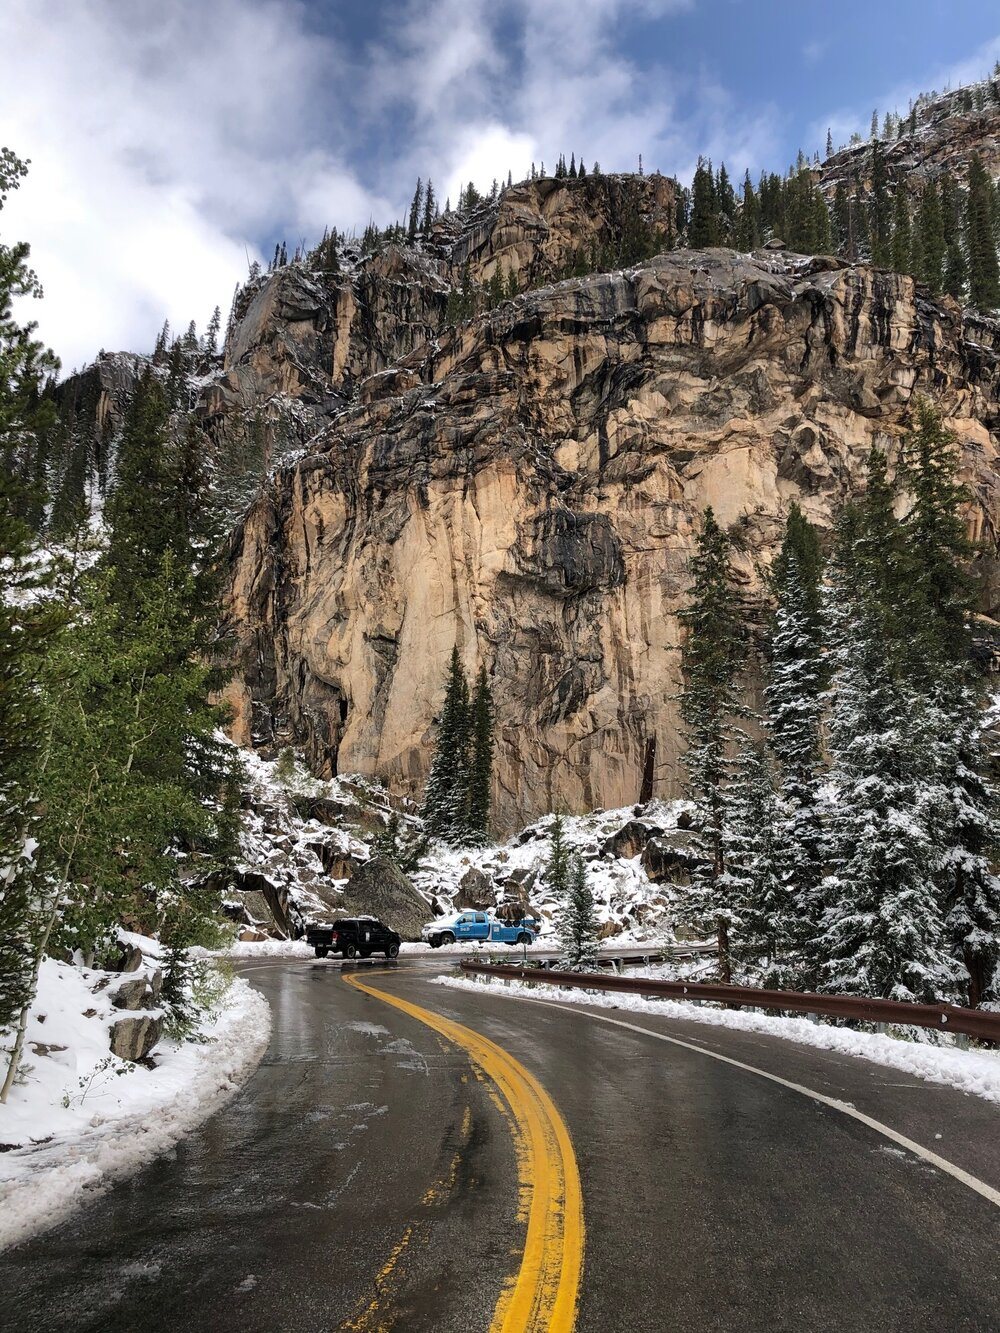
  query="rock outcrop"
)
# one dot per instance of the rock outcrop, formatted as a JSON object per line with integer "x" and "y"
{"x": 529, "y": 485}
{"x": 379, "y": 888}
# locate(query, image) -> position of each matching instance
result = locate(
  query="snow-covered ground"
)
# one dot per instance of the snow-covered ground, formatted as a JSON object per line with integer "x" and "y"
{"x": 79, "y": 1118}
{"x": 976, "y": 1072}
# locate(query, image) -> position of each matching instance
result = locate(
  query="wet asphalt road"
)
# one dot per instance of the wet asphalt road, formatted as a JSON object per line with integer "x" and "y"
{"x": 365, "y": 1178}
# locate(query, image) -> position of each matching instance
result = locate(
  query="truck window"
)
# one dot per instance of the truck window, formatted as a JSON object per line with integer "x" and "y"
{"x": 480, "y": 918}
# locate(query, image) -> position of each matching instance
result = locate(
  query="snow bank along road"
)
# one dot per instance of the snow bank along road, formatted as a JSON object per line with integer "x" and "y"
{"x": 415, "y": 1157}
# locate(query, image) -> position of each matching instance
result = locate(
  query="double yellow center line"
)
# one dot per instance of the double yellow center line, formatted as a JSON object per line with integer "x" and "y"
{"x": 541, "y": 1296}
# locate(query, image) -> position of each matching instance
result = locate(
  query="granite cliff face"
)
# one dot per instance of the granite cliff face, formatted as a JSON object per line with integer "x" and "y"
{"x": 528, "y": 485}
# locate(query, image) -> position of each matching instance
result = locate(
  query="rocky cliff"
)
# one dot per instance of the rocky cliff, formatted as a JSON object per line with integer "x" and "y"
{"x": 528, "y": 485}
{"x": 950, "y": 128}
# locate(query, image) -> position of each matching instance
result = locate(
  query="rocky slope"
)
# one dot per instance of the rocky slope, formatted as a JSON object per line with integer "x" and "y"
{"x": 528, "y": 484}
{"x": 950, "y": 128}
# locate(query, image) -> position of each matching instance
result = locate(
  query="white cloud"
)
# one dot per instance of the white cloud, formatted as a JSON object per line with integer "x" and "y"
{"x": 164, "y": 138}
{"x": 170, "y": 138}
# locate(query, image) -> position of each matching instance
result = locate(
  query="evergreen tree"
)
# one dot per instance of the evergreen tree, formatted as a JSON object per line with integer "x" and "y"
{"x": 212, "y": 333}
{"x": 704, "y": 226}
{"x": 480, "y": 774}
{"x": 578, "y": 932}
{"x": 829, "y": 143}
{"x": 901, "y": 242}
{"x": 430, "y": 209}
{"x": 880, "y": 210}
{"x": 416, "y": 205}
{"x": 942, "y": 593}
{"x": 794, "y": 710}
{"x": 931, "y": 247}
{"x": 763, "y": 912}
{"x": 557, "y": 867}
{"x": 748, "y": 227}
{"x": 725, "y": 203}
{"x": 713, "y": 654}
{"x": 984, "y": 272}
{"x": 446, "y": 794}
{"x": 843, "y": 231}
{"x": 882, "y": 929}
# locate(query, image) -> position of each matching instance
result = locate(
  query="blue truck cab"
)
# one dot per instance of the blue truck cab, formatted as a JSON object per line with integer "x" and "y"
{"x": 470, "y": 927}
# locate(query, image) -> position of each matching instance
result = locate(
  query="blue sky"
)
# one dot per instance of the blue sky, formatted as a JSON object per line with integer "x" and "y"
{"x": 174, "y": 140}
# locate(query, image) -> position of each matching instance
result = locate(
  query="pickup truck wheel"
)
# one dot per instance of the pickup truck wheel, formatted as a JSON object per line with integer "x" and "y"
{"x": 523, "y": 938}
{"x": 446, "y": 937}
{"x": 321, "y": 950}
{"x": 392, "y": 951}
{"x": 350, "y": 951}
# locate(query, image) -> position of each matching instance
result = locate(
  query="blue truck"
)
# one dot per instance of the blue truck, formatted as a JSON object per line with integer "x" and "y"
{"x": 478, "y": 927}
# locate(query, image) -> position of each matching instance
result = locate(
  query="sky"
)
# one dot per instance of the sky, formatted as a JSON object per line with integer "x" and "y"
{"x": 172, "y": 142}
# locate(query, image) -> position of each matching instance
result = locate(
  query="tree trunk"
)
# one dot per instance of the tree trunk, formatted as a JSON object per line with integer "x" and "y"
{"x": 725, "y": 967}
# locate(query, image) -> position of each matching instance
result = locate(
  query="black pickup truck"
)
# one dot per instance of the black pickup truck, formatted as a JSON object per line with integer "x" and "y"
{"x": 354, "y": 937}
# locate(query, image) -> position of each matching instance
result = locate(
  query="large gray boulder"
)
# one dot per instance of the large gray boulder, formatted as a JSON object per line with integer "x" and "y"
{"x": 379, "y": 888}
{"x": 133, "y": 1038}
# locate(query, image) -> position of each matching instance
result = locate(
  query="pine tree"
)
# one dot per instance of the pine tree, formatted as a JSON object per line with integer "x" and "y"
{"x": 416, "y": 205}
{"x": 763, "y": 911}
{"x": 212, "y": 333}
{"x": 480, "y": 774}
{"x": 748, "y": 227}
{"x": 901, "y": 242}
{"x": 793, "y": 713}
{"x": 704, "y": 226}
{"x": 578, "y": 932}
{"x": 557, "y": 867}
{"x": 430, "y": 209}
{"x": 931, "y": 244}
{"x": 829, "y": 143}
{"x": 446, "y": 793}
{"x": 879, "y": 210}
{"x": 942, "y": 595}
{"x": 882, "y": 929}
{"x": 713, "y": 654}
{"x": 984, "y": 272}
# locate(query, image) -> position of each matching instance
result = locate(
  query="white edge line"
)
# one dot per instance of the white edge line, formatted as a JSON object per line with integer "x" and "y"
{"x": 942, "y": 1164}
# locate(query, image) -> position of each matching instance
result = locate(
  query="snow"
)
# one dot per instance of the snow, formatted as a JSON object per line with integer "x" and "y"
{"x": 975, "y": 1072}
{"x": 79, "y": 1118}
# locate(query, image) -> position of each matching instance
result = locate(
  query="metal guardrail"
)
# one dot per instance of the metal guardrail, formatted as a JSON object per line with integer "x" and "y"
{"x": 978, "y": 1023}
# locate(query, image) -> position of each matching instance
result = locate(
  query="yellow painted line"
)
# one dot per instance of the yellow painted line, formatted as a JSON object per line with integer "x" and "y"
{"x": 541, "y": 1297}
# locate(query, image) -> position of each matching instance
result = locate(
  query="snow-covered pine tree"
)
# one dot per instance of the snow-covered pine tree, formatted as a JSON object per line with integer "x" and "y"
{"x": 882, "y": 927}
{"x": 966, "y": 832}
{"x": 480, "y": 773}
{"x": 713, "y": 653}
{"x": 447, "y": 790}
{"x": 578, "y": 940}
{"x": 794, "y": 708}
{"x": 764, "y": 930}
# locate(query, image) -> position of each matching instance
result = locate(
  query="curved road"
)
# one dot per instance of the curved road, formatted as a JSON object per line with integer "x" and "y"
{"x": 442, "y": 1160}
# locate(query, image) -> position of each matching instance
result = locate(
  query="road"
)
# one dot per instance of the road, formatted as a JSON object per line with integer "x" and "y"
{"x": 423, "y": 1158}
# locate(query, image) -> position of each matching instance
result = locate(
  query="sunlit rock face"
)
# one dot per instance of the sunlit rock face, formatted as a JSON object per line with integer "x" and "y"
{"x": 528, "y": 485}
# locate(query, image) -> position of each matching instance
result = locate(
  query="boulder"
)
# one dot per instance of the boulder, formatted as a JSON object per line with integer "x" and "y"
{"x": 475, "y": 891}
{"x": 630, "y": 839}
{"x": 669, "y": 857}
{"x": 379, "y": 888}
{"x": 133, "y": 1038}
{"x": 134, "y": 994}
